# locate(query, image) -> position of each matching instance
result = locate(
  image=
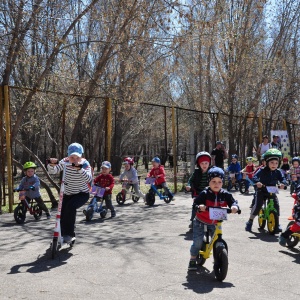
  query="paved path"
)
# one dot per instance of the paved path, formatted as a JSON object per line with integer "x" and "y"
{"x": 143, "y": 254}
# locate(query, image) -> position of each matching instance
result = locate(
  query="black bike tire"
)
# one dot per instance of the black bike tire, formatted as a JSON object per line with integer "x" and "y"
{"x": 89, "y": 214}
{"x": 261, "y": 222}
{"x": 272, "y": 230}
{"x": 221, "y": 263}
{"x": 54, "y": 247}
{"x": 243, "y": 186}
{"x": 37, "y": 212}
{"x": 120, "y": 199}
{"x": 20, "y": 217}
{"x": 229, "y": 185}
{"x": 135, "y": 199}
{"x": 167, "y": 199}
{"x": 292, "y": 241}
{"x": 150, "y": 199}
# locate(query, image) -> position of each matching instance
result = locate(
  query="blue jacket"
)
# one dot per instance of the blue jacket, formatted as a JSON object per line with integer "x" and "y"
{"x": 235, "y": 168}
{"x": 268, "y": 177}
{"x": 26, "y": 182}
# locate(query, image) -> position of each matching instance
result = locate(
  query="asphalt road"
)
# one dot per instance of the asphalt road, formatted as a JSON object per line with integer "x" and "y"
{"x": 143, "y": 253}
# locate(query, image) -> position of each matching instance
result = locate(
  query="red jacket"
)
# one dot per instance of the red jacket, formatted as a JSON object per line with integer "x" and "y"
{"x": 105, "y": 181}
{"x": 250, "y": 169}
{"x": 209, "y": 198}
{"x": 160, "y": 172}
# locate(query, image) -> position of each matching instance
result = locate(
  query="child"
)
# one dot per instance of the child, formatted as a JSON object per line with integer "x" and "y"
{"x": 78, "y": 175}
{"x": 106, "y": 180}
{"x": 198, "y": 181}
{"x": 214, "y": 195}
{"x": 31, "y": 184}
{"x": 296, "y": 226}
{"x": 131, "y": 174}
{"x": 249, "y": 171}
{"x": 158, "y": 172}
{"x": 285, "y": 167}
{"x": 235, "y": 167}
{"x": 295, "y": 173}
{"x": 267, "y": 176}
{"x": 263, "y": 164}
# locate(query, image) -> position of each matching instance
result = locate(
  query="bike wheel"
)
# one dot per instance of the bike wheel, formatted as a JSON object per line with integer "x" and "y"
{"x": 261, "y": 220}
{"x": 135, "y": 198}
{"x": 292, "y": 241}
{"x": 243, "y": 186}
{"x": 229, "y": 185}
{"x": 54, "y": 247}
{"x": 167, "y": 198}
{"x": 89, "y": 214}
{"x": 221, "y": 263}
{"x": 103, "y": 213}
{"x": 37, "y": 212}
{"x": 20, "y": 213}
{"x": 150, "y": 199}
{"x": 120, "y": 198}
{"x": 200, "y": 259}
{"x": 273, "y": 222}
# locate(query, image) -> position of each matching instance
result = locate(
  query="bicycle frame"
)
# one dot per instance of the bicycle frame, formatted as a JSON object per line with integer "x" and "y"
{"x": 268, "y": 207}
{"x": 23, "y": 200}
{"x": 215, "y": 239}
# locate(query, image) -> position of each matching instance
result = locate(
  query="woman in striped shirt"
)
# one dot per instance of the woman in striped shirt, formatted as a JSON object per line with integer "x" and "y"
{"x": 78, "y": 175}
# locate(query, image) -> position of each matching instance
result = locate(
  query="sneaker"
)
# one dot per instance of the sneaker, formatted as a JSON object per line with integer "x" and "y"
{"x": 113, "y": 213}
{"x": 251, "y": 206}
{"x": 247, "y": 192}
{"x": 248, "y": 226}
{"x": 67, "y": 238}
{"x": 48, "y": 216}
{"x": 191, "y": 225}
{"x": 282, "y": 241}
{"x": 278, "y": 229}
{"x": 84, "y": 212}
{"x": 192, "y": 265}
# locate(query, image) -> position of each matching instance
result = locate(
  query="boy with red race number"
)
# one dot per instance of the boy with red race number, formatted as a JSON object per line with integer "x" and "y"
{"x": 214, "y": 195}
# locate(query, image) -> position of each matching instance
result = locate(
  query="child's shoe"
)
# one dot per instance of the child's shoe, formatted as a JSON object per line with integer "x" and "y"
{"x": 282, "y": 241}
{"x": 113, "y": 213}
{"x": 48, "y": 216}
{"x": 67, "y": 239}
{"x": 278, "y": 229}
{"x": 248, "y": 226}
{"x": 192, "y": 265}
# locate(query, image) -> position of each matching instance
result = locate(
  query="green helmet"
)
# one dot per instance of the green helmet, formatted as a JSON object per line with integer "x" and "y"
{"x": 29, "y": 165}
{"x": 272, "y": 154}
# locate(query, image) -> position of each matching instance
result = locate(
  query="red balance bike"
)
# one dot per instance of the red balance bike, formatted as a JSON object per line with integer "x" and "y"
{"x": 22, "y": 208}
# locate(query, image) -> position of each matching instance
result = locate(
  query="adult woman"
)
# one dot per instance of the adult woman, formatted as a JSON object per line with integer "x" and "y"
{"x": 264, "y": 146}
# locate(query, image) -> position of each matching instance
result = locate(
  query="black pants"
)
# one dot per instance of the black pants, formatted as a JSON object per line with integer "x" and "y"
{"x": 68, "y": 211}
{"x": 259, "y": 201}
{"x": 108, "y": 202}
{"x": 40, "y": 203}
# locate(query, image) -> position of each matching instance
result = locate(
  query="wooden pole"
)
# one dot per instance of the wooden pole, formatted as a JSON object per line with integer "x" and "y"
{"x": 2, "y": 150}
{"x": 63, "y": 130}
{"x": 8, "y": 148}
{"x": 220, "y": 127}
{"x": 284, "y": 124}
{"x": 174, "y": 149}
{"x": 108, "y": 129}
{"x": 260, "y": 128}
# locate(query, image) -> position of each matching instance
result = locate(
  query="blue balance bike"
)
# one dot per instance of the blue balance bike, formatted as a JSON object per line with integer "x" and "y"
{"x": 96, "y": 204}
{"x": 155, "y": 190}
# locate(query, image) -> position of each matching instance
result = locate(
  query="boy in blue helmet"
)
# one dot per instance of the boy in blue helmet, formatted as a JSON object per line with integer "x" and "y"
{"x": 215, "y": 196}
{"x": 158, "y": 172}
{"x": 234, "y": 169}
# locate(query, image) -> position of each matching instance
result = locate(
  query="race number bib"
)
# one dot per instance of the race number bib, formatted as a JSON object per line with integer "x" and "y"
{"x": 150, "y": 180}
{"x": 98, "y": 191}
{"x": 216, "y": 213}
{"x": 272, "y": 189}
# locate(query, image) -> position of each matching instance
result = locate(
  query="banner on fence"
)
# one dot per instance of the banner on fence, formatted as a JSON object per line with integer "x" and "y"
{"x": 284, "y": 141}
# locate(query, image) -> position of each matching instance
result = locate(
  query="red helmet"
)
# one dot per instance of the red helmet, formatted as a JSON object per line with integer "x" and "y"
{"x": 128, "y": 160}
{"x": 285, "y": 159}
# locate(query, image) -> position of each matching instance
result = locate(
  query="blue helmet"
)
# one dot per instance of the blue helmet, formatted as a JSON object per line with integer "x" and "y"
{"x": 234, "y": 156}
{"x": 215, "y": 172}
{"x": 156, "y": 159}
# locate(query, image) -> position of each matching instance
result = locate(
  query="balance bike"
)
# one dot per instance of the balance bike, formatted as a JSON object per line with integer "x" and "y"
{"x": 122, "y": 196}
{"x": 93, "y": 207}
{"x": 293, "y": 239}
{"x": 155, "y": 190}
{"x": 232, "y": 182}
{"x": 216, "y": 244}
{"x": 268, "y": 214}
{"x": 24, "y": 206}
{"x": 57, "y": 240}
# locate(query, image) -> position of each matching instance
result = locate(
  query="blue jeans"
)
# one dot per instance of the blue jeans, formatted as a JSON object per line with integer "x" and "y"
{"x": 198, "y": 235}
{"x": 68, "y": 211}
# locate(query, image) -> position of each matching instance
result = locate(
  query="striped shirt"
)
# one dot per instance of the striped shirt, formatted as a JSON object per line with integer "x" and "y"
{"x": 76, "y": 181}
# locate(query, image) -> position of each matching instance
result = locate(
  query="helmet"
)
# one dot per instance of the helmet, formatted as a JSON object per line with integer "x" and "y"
{"x": 203, "y": 155}
{"x": 156, "y": 159}
{"x": 272, "y": 154}
{"x": 285, "y": 159}
{"x": 29, "y": 165}
{"x": 215, "y": 172}
{"x": 296, "y": 158}
{"x": 234, "y": 156}
{"x": 128, "y": 160}
{"x": 249, "y": 158}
